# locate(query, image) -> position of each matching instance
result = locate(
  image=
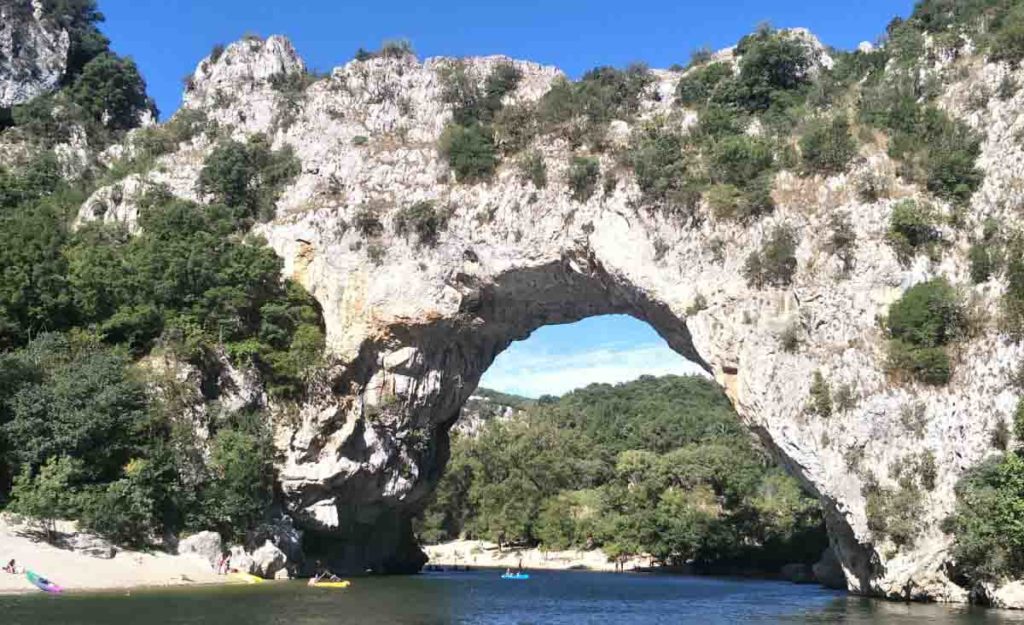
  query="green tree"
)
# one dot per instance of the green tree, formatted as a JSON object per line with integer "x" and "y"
{"x": 48, "y": 495}
{"x": 240, "y": 489}
{"x": 111, "y": 91}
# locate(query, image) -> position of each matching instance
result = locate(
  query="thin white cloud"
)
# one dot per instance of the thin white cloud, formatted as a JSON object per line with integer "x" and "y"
{"x": 534, "y": 372}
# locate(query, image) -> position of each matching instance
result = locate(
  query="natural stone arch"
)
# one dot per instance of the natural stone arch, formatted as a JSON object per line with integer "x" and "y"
{"x": 406, "y": 320}
{"x": 420, "y": 376}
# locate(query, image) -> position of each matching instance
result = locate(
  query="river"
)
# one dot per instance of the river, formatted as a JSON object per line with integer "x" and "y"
{"x": 481, "y": 597}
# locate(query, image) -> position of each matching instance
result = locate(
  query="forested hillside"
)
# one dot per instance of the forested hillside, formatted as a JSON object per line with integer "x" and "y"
{"x": 659, "y": 466}
{"x": 94, "y": 423}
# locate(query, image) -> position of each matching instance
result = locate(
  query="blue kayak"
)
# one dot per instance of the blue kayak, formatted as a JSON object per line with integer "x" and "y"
{"x": 516, "y": 576}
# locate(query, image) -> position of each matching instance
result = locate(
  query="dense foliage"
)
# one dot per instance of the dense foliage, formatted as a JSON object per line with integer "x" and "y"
{"x": 103, "y": 93}
{"x": 90, "y": 427}
{"x": 658, "y": 466}
{"x": 988, "y": 543}
{"x": 921, "y": 324}
{"x": 248, "y": 177}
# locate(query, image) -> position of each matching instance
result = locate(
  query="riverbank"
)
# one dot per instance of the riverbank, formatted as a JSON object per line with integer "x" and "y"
{"x": 77, "y": 571}
{"x": 481, "y": 553}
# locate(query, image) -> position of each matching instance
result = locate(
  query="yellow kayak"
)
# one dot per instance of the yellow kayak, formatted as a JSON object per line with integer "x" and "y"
{"x": 246, "y": 578}
{"x": 344, "y": 584}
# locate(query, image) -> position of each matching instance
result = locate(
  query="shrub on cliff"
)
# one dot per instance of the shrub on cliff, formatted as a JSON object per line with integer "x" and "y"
{"x": 112, "y": 92}
{"x": 913, "y": 229}
{"x": 583, "y": 174}
{"x": 772, "y": 65}
{"x": 1013, "y": 298}
{"x": 248, "y": 177}
{"x": 470, "y": 152}
{"x": 920, "y": 325}
{"x": 894, "y": 513}
{"x": 987, "y": 545}
{"x": 739, "y": 159}
{"x": 827, "y": 147}
{"x": 580, "y": 111}
{"x": 820, "y": 403}
{"x": 698, "y": 86}
{"x": 662, "y": 171}
{"x": 775, "y": 263}
{"x": 422, "y": 219}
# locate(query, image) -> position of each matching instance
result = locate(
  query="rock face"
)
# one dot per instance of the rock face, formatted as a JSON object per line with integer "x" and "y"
{"x": 268, "y": 560}
{"x": 411, "y": 327}
{"x": 33, "y": 52}
{"x": 205, "y": 545}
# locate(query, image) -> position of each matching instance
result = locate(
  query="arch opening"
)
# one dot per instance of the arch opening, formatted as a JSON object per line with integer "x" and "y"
{"x": 410, "y": 383}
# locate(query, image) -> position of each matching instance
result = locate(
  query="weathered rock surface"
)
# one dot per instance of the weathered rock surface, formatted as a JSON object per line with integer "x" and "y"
{"x": 205, "y": 545}
{"x": 33, "y": 52}
{"x": 410, "y": 332}
{"x": 268, "y": 560}
{"x": 828, "y": 571}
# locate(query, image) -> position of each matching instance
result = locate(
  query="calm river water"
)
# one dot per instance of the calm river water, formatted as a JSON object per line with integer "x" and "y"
{"x": 480, "y": 597}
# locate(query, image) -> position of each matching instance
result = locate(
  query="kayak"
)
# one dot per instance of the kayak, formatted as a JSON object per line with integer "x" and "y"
{"x": 515, "y": 576}
{"x": 246, "y": 578}
{"x": 42, "y": 583}
{"x": 343, "y": 584}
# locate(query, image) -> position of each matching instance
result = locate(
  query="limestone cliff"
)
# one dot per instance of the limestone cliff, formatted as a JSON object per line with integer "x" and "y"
{"x": 412, "y": 327}
{"x": 33, "y": 52}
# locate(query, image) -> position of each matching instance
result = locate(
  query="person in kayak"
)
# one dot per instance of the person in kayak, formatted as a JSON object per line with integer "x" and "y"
{"x": 321, "y": 574}
{"x": 12, "y": 567}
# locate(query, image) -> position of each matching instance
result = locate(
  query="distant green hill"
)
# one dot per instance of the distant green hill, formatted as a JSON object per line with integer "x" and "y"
{"x": 659, "y": 466}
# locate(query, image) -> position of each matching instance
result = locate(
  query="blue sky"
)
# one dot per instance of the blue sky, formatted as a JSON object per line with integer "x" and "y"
{"x": 557, "y": 359}
{"x": 168, "y": 37}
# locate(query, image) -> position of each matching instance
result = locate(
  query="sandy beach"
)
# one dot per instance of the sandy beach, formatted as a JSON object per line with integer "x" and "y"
{"x": 74, "y": 571}
{"x": 479, "y": 553}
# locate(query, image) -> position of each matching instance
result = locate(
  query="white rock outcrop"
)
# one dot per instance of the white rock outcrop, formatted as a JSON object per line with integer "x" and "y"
{"x": 33, "y": 52}
{"x": 411, "y": 328}
{"x": 205, "y": 545}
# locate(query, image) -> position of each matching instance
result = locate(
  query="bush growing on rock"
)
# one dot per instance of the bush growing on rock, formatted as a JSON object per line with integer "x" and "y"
{"x": 248, "y": 177}
{"x": 913, "y": 229}
{"x": 987, "y": 545}
{"x": 532, "y": 168}
{"x": 698, "y": 86}
{"x": 773, "y": 64}
{"x": 662, "y": 171}
{"x": 894, "y": 513}
{"x": 583, "y": 174}
{"x": 111, "y": 91}
{"x": 827, "y": 147}
{"x": 390, "y": 49}
{"x": 581, "y": 111}
{"x": 920, "y": 325}
{"x": 842, "y": 241}
{"x": 367, "y": 222}
{"x": 821, "y": 396}
{"x": 775, "y": 263}
{"x": 422, "y": 219}
{"x": 470, "y": 152}
{"x": 936, "y": 151}
{"x": 737, "y": 160}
